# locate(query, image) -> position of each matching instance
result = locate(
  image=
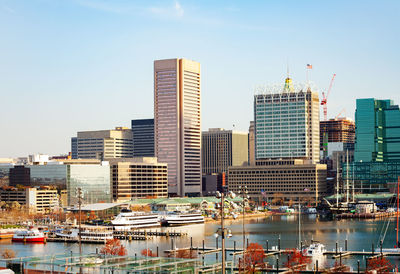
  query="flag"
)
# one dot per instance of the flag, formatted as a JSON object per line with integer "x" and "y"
{"x": 309, "y": 66}
{"x": 263, "y": 193}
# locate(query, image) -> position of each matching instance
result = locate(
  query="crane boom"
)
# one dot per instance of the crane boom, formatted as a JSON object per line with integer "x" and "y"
{"x": 324, "y": 100}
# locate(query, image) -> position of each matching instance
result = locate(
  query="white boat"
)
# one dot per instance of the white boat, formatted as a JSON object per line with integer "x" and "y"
{"x": 128, "y": 220}
{"x": 176, "y": 219}
{"x": 87, "y": 233}
{"x": 315, "y": 249}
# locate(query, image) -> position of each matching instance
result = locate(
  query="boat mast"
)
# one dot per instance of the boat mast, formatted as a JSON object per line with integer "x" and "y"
{"x": 337, "y": 180}
{"x": 347, "y": 177}
{"x": 299, "y": 228}
{"x": 352, "y": 195}
{"x": 397, "y": 213}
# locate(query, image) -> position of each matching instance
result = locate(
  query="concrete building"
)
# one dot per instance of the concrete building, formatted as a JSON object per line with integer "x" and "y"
{"x": 212, "y": 183}
{"x": 102, "y": 144}
{"x": 143, "y": 137}
{"x": 140, "y": 177}
{"x": 223, "y": 148}
{"x": 252, "y": 144}
{"x": 177, "y": 123}
{"x": 287, "y": 124}
{"x": 289, "y": 180}
{"x": 39, "y": 200}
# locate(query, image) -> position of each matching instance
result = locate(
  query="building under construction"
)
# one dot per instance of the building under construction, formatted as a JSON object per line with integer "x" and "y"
{"x": 340, "y": 130}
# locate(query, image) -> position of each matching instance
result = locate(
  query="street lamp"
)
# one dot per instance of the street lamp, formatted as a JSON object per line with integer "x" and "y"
{"x": 243, "y": 192}
{"x": 222, "y": 230}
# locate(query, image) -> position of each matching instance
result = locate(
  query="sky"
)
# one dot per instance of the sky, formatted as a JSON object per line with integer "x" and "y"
{"x": 76, "y": 65}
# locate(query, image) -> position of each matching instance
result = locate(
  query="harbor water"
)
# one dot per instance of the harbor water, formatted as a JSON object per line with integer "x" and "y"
{"x": 284, "y": 230}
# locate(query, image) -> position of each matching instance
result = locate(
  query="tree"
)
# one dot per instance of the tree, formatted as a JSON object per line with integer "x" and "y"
{"x": 113, "y": 247}
{"x": 296, "y": 259}
{"x": 8, "y": 253}
{"x": 379, "y": 264}
{"x": 253, "y": 258}
{"x": 148, "y": 253}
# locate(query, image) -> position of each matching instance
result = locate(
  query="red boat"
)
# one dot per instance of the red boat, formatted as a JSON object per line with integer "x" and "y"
{"x": 30, "y": 235}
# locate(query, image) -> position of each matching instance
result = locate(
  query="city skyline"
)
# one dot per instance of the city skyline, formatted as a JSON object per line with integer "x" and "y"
{"x": 66, "y": 60}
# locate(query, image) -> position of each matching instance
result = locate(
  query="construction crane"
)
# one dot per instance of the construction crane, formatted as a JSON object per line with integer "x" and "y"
{"x": 342, "y": 111}
{"x": 324, "y": 100}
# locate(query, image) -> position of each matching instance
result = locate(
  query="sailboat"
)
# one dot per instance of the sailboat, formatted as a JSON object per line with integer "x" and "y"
{"x": 396, "y": 247}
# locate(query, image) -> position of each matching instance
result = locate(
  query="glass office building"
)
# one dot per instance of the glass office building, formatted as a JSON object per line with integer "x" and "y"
{"x": 93, "y": 179}
{"x": 377, "y": 150}
{"x": 377, "y": 131}
{"x": 143, "y": 137}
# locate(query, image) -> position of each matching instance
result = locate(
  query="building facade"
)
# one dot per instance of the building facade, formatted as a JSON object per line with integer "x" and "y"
{"x": 140, "y": 177}
{"x": 252, "y": 142}
{"x": 287, "y": 124}
{"x": 288, "y": 180}
{"x": 377, "y": 131}
{"x": 143, "y": 137}
{"x": 341, "y": 130}
{"x": 177, "y": 123}
{"x": 223, "y": 148}
{"x": 102, "y": 144}
{"x": 39, "y": 200}
{"x": 376, "y": 163}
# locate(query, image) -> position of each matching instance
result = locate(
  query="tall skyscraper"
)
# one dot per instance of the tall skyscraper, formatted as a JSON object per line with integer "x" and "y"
{"x": 102, "y": 144}
{"x": 223, "y": 148}
{"x": 377, "y": 131}
{"x": 287, "y": 124}
{"x": 177, "y": 123}
{"x": 143, "y": 137}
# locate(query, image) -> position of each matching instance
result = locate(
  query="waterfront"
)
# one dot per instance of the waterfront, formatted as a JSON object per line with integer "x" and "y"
{"x": 360, "y": 235}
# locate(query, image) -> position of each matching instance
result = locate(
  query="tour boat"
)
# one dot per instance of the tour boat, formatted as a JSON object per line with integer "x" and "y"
{"x": 182, "y": 219}
{"x": 315, "y": 249}
{"x": 88, "y": 233}
{"x": 31, "y": 235}
{"x": 128, "y": 220}
{"x": 7, "y": 233}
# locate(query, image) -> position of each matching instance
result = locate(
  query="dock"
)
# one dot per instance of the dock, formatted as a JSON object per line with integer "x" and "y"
{"x": 154, "y": 233}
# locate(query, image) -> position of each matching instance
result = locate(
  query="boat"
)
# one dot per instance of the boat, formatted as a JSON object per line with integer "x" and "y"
{"x": 128, "y": 220}
{"x": 88, "y": 233}
{"x": 7, "y": 233}
{"x": 176, "y": 219}
{"x": 31, "y": 235}
{"x": 315, "y": 249}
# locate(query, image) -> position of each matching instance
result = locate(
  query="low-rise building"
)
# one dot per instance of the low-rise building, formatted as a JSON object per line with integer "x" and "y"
{"x": 286, "y": 180}
{"x": 39, "y": 200}
{"x": 139, "y": 177}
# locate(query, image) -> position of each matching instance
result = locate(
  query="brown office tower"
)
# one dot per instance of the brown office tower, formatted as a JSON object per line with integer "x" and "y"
{"x": 341, "y": 130}
{"x": 177, "y": 121}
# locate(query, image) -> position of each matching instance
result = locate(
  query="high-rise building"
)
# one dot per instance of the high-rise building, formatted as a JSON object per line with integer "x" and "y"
{"x": 252, "y": 147}
{"x": 223, "y": 148}
{"x": 376, "y": 163}
{"x": 102, "y": 144}
{"x": 177, "y": 123}
{"x": 143, "y": 137}
{"x": 287, "y": 124}
{"x": 377, "y": 131}
{"x": 139, "y": 177}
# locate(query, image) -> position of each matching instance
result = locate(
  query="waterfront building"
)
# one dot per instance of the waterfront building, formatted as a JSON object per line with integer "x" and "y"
{"x": 212, "y": 183}
{"x": 139, "y": 177}
{"x": 223, "y": 148}
{"x": 102, "y": 144}
{"x": 177, "y": 123}
{"x": 293, "y": 180}
{"x": 93, "y": 179}
{"x": 143, "y": 137}
{"x": 252, "y": 147}
{"x": 377, "y": 150}
{"x": 37, "y": 200}
{"x": 287, "y": 123}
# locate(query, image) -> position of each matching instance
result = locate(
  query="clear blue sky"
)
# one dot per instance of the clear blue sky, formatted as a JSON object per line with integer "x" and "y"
{"x": 72, "y": 65}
